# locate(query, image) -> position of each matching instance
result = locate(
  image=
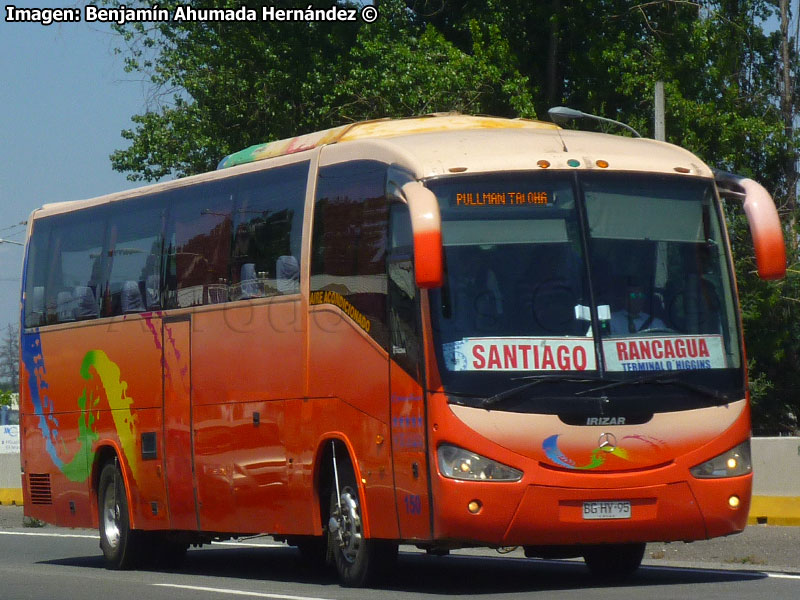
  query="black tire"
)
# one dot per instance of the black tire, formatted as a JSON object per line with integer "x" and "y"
{"x": 614, "y": 561}
{"x": 359, "y": 561}
{"x": 123, "y": 548}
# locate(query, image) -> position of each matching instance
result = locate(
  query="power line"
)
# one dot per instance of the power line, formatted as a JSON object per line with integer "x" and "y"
{"x": 20, "y": 224}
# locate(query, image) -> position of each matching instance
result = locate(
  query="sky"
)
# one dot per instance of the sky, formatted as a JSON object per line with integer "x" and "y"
{"x": 64, "y": 99}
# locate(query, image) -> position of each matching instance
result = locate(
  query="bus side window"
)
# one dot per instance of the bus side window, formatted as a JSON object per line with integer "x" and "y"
{"x": 405, "y": 343}
{"x": 348, "y": 245}
{"x": 201, "y": 245}
{"x": 75, "y": 283}
{"x": 39, "y": 260}
{"x": 267, "y": 232}
{"x": 136, "y": 260}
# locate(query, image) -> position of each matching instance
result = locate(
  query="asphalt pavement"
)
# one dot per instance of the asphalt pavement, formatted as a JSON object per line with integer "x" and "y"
{"x": 758, "y": 547}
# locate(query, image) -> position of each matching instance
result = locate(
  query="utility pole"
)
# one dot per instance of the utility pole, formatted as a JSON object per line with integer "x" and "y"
{"x": 659, "y": 125}
{"x": 787, "y": 104}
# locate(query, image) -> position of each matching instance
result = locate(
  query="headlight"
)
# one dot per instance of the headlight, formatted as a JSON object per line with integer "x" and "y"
{"x": 732, "y": 463}
{"x": 457, "y": 463}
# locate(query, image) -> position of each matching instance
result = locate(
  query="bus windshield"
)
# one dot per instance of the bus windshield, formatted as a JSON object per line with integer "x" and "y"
{"x": 591, "y": 276}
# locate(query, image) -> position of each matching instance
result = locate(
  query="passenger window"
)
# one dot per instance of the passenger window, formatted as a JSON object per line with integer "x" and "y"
{"x": 40, "y": 259}
{"x": 200, "y": 244}
{"x": 135, "y": 277}
{"x": 68, "y": 268}
{"x": 403, "y": 308}
{"x": 349, "y": 243}
{"x": 268, "y": 230}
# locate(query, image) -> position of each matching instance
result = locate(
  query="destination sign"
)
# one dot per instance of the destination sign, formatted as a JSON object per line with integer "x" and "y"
{"x": 663, "y": 353}
{"x": 503, "y": 198}
{"x": 668, "y": 353}
{"x": 520, "y": 354}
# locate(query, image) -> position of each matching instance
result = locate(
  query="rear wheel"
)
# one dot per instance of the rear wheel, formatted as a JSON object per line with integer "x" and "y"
{"x": 359, "y": 561}
{"x": 614, "y": 561}
{"x": 123, "y": 548}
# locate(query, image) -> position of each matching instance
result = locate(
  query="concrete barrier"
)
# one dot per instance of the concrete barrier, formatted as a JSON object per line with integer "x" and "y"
{"x": 776, "y": 481}
{"x": 10, "y": 480}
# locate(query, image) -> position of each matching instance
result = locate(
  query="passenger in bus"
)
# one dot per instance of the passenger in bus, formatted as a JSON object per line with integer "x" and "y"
{"x": 633, "y": 317}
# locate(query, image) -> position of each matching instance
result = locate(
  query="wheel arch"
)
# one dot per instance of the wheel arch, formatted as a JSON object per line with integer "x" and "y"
{"x": 324, "y": 476}
{"x": 104, "y": 454}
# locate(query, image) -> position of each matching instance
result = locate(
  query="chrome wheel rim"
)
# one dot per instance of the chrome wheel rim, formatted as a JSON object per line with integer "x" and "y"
{"x": 349, "y": 530}
{"x": 111, "y": 516}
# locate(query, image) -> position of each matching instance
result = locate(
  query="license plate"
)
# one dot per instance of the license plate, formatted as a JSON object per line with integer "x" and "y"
{"x": 615, "y": 509}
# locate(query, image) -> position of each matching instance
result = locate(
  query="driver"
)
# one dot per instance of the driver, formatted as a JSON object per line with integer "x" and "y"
{"x": 633, "y": 317}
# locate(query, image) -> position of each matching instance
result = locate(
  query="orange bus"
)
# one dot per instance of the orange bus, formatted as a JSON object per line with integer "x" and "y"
{"x": 444, "y": 331}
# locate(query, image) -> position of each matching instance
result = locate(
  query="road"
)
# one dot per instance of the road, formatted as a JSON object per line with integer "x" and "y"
{"x": 47, "y": 563}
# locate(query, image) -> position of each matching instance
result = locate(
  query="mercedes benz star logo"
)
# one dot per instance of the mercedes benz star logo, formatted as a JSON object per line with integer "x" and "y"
{"x": 607, "y": 442}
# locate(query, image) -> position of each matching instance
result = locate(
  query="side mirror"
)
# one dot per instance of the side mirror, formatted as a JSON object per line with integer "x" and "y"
{"x": 426, "y": 224}
{"x": 765, "y": 226}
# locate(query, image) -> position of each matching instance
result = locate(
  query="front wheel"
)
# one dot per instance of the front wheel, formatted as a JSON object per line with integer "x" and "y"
{"x": 122, "y": 546}
{"x": 614, "y": 561}
{"x": 359, "y": 561}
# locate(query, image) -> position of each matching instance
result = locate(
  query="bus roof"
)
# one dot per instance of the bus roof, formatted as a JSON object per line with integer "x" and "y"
{"x": 445, "y": 144}
{"x": 379, "y": 128}
{"x": 453, "y": 143}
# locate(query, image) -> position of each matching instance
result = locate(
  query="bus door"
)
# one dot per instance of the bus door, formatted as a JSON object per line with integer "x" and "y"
{"x": 178, "y": 446}
{"x": 408, "y": 415}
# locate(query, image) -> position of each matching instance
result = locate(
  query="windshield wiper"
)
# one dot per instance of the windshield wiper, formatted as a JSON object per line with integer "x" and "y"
{"x": 662, "y": 380}
{"x": 536, "y": 380}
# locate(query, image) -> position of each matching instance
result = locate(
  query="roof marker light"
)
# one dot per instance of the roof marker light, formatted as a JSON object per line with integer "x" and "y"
{"x": 682, "y": 170}
{"x": 573, "y": 163}
{"x": 543, "y": 164}
{"x": 603, "y": 164}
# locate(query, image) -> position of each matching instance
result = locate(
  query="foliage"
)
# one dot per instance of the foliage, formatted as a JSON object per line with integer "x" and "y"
{"x": 226, "y": 86}
{"x": 5, "y": 398}
{"x": 232, "y": 85}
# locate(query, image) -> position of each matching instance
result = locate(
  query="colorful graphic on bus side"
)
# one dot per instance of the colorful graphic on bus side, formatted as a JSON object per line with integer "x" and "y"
{"x": 95, "y": 364}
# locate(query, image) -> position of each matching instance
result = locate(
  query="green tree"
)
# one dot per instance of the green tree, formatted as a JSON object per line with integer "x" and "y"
{"x": 232, "y": 85}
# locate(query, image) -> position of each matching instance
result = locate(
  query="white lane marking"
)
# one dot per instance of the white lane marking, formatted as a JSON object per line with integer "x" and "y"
{"x": 724, "y": 572}
{"x": 783, "y": 576}
{"x": 197, "y": 588}
{"x": 56, "y": 535}
{"x": 97, "y": 537}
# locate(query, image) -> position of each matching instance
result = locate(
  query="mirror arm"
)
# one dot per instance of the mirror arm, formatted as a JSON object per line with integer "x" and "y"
{"x": 762, "y": 216}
